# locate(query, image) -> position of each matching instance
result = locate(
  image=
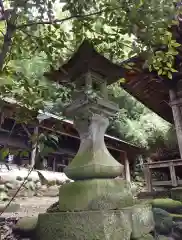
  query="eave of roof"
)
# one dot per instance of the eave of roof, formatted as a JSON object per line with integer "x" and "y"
{"x": 57, "y": 118}
{"x": 147, "y": 88}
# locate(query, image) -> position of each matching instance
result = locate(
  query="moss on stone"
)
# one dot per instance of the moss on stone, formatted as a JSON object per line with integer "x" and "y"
{"x": 170, "y": 205}
{"x": 145, "y": 237}
{"x": 142, "y": 220}
{"x": 93, "y": 164}
{"x": 89, "y": 225}
{"x": 135, "y": 221}
{"x": 163, "y": 221}
{"x": 176, "y": 193}
{"x": 95, "y": 194}
{"x": 161, "y": 237}
{"x": 176, "y": 217}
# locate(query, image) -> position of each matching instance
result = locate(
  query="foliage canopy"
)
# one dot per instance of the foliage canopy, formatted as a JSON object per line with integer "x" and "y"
{"x": 35, "y": 34}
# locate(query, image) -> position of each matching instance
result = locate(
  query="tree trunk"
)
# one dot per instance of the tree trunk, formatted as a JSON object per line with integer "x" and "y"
{"x": 177, "y": 117}
{"x": 34, "y": 149}
{"x": 10, "y": 31}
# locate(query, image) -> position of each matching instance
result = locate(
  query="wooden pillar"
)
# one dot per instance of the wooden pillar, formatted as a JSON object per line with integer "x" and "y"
{"x": 127, "y": 168}
{"x": 54, "y": 164}
{"x": 173, "y": 174}
{"x": 103, "y": 89}
{"x": 177, "y": 118}
{"x": 148, "y": 178}
{"x": 34, "y": 148}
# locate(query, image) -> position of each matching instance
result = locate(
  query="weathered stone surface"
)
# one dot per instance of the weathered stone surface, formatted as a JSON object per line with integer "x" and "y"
{"x": 2, "y": 187}
{"x": 38, "y": 185}
{"x": 53, "y": 208}
{"x": 11, "y": 180}
{"x": 96, "y": 194}
{"x": 9, "y": 185}
{"x": 30, "y": 185}
{"x": 52, "y": 191}
{"x": 161, "y": 237}
{"x": 176, "y": 193}
{"x": 26, "y": 224}
{"x": 163, "y": 221}
{"x": 145, "y": 237}
{"x": 3, "y": 196}
{"x": 93, "y": 160}
{"x": 142, "y": 220}
{"x": 86, "y": 225}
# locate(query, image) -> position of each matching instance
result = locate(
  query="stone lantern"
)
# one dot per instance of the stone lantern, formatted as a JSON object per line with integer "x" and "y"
{"x": 96, "y": 206}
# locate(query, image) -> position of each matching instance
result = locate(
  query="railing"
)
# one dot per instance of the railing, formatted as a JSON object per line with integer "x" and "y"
{"x": 171, "y": 164}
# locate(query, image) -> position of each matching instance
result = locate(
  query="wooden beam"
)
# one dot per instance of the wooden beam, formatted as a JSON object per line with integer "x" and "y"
{"x": 177, "y": 118}
{"x": 148, "y": 178}
{"x": 127, "y": 168}
{"x": 161, "y": 183}
{"x": 2, "y": 118}
{"x": 164, "y": 164}
{"x": 12, "y": 141}
{"x": 177, "y": 102}
{"x": 173, "y": 174}
{"x": 74, "y": 136}
{"x": 54, "y": 164}
{"x": 165, "y": 183}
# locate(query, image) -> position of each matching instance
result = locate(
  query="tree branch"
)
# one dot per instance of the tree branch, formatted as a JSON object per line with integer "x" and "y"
{"x": 56, "y": 21}
{"x": 10, "y": 30}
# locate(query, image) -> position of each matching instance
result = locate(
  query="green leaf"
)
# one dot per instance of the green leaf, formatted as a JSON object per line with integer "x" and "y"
{"x": 6, "y": 80}
{"x": 175, "y": 22}
{"x": 46, "y": 150}
{"x": 131, "y": 64}
{"x": 127, "y": 66}
{"x": 176, "y": 44}
{"x": 122, "y": 80}
{"x": 4, "y": 153}
{"x": 169, "y": 74}
{"x": 24, "y": 154}
{"x": 160, "y": 72}
{"x": 169, "y": 64}
{"x": 173, "y": 70}
{"x": 41, "y": 147}
{"x": 54, "y": 137}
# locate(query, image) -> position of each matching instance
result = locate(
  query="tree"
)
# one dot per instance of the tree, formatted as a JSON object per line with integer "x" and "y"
{"x": 137, "y": 124}
{"x": 118, "y": 29}
{"x": 115, "y": 27}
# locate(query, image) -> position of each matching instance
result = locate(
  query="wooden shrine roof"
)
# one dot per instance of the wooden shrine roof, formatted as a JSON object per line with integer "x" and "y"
{"x": 65, "y": 128}
{"x": 147, "y": 88}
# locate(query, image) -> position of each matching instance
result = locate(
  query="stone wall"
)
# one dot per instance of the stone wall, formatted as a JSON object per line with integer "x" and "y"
{"x": 39, "y": 183}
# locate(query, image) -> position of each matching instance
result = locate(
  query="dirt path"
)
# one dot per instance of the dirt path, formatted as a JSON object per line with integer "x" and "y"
{"x": 32, "y": 206}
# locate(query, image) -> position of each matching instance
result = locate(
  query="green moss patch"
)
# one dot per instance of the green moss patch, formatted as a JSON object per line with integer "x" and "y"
{"x": 176, "y": 217}
{"x": 95, "y": 194}
{"x": 170, "y": 205}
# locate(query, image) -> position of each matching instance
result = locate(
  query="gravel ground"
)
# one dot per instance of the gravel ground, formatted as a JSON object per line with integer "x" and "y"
{"x": 28, "y": 207}
{"x": 31, "y": 206}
